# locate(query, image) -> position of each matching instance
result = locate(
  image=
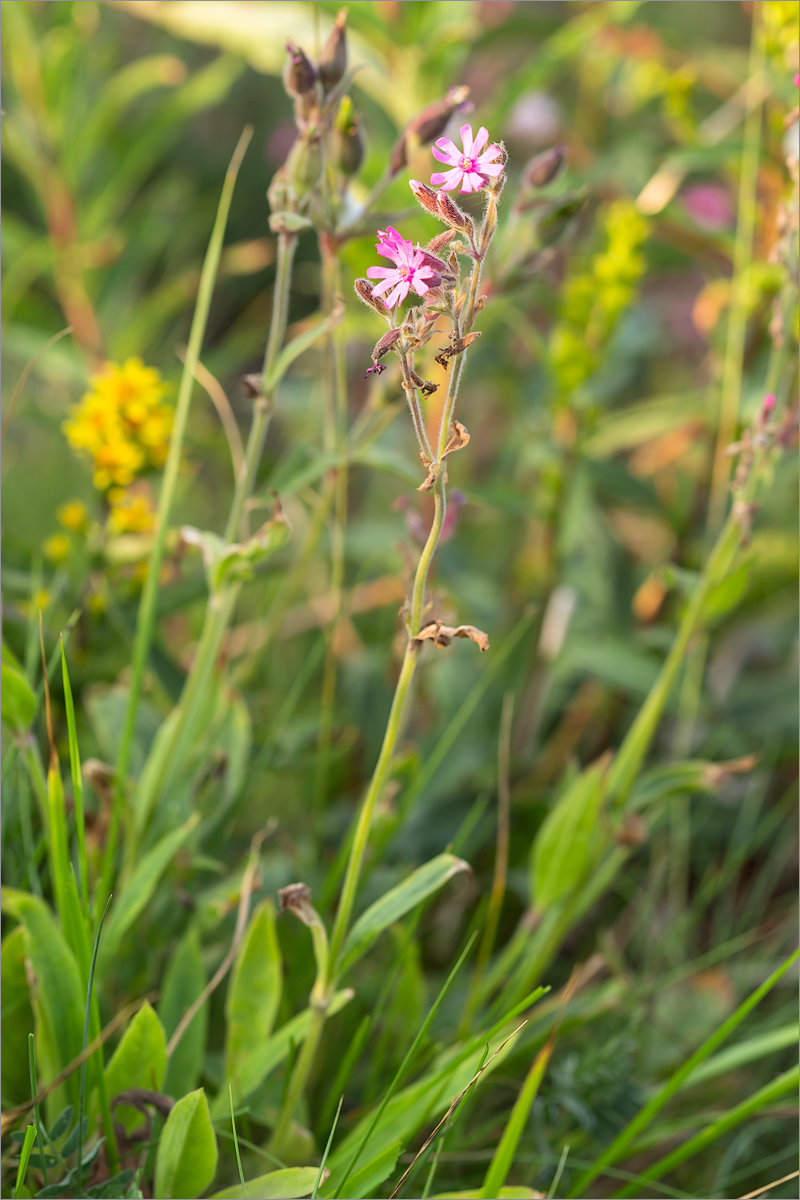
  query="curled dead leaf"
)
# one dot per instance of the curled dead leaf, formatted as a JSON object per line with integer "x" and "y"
{"x": 441, "y": 634}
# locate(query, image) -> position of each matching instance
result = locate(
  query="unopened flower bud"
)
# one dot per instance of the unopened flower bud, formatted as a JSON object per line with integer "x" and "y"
{"x": 363, "y": 289}
{"x": 448, "y": 211}
{"x": 426, "y": 126}
{"x": 349, "y": 143}
{"x": 303, "y": 165}
{"x": 299, "y": 75}
{"x": 333, "y": 59}
{"x": 437, "y": 264}
{"x": 437, "y": 244}
{"x": 544, "y": 167}
{"x": 428, "y": 198}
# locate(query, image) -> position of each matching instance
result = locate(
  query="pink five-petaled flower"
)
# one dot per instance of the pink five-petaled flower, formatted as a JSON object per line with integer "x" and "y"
{"x": 410, "y": 269}
{"x": 470, "y": 168}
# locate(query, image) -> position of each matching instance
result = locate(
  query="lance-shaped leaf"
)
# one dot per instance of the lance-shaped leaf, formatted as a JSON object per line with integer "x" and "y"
{"x": 16, "y": 698}
{"x": 298, "y": 346}
{"x": 139, "y": 1061}
{"x": 571, "y": 838}
{"x": 187, "y": 1152}
{"x": 253, "y": 998}
{"x": 421, "y": 884}
{"x": 231, "y": 563}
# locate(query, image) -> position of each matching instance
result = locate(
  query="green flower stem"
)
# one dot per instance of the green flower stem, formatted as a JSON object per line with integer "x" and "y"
{"x": 262, "y": 410}
{"x": 146, "y": 618}
{"x": 297, "y": 1083}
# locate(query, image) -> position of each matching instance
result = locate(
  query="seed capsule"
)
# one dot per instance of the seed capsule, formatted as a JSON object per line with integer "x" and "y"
{"x": 333, "y": 60}
{"x": 299, "y": 75}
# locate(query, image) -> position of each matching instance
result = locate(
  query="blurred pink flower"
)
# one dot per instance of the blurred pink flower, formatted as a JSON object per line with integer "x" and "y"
{"x": 709, "y": 205}
{"x": 410, "y": 269}
{"x": 470, "y": 168}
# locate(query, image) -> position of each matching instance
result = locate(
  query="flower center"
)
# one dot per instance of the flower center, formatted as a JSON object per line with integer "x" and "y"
{"x": 467, "y": 164}
{"x": 405, "y": 272}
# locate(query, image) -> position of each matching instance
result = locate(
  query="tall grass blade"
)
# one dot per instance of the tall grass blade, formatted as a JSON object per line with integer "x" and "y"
{"x": 77, "y": 782}
{"x": 787, "y": 1082}
{"x": 236, "y": 1145}
{"x": 393, "y": 1086}
{"x": 36, "y": 1112}
{"x": 24, "y": 1155}
{"x": 82, "y": 1103}
{"x": 328, "y": 1145}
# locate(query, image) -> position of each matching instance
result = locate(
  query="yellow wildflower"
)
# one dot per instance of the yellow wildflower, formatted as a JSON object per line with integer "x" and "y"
{"x": 122, "y": 423}
{"x": 131, "y": 511}
{"x": 57, "y": 547}
{"x": 41, "y": 599}
{"x": 72, "y": 515}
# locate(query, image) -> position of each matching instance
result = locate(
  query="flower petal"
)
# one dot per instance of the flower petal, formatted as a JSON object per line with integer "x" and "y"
{"x": 490, "y": 153}
{"x": 380, "y": 272}
{"x": 493, "y": 169}
{"x": 420, "y": 287}
{"x": 466, "y": 138}
{"x": 447, "y": 180}
{"x": 384, "y": 286}
{"x": 481, "y": 138}
{"x": 445, "y": 151}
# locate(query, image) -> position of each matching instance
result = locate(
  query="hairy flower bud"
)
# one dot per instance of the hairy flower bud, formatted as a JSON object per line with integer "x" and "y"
{"x": 437, "y": 244}
{"x": 363, "y": 289}
{"x": 299, "y": 75}
{"x": 333, "y": 59}
{"x": 426, "y": 126}
{"x": 428, "y": 198}
{"x": 544, "y": 167}
{"x": 303, "y": 165}
{"x": 448, "y": 211}
{"x": 383, "y": 346}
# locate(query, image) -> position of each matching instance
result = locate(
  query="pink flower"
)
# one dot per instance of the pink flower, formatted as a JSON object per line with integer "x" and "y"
{"x": 470, "y": 168}
{"x": 410, "y": 269}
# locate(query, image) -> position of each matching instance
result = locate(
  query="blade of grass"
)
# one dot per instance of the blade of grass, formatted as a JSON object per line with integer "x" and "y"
{"x": 503, "y": 1160}
{"x": 145, "y": 621}
{"x": 784, "y": 1083}
{"x": 328, "y": 1145}
{"x": 37, "y": 1115}
{"x": 82, "y": 1103}
{"x": 646, "y": 1114}
{"x": 236, "y": 1144}
{"x": 24, "y": 1155}
{"x": 562, "y": 1162}
{"x": 393, "y": 1086}
{"x": 769, "y": 1186}
{"x": 77, "y": 782}
{"x": 24, "y": 377}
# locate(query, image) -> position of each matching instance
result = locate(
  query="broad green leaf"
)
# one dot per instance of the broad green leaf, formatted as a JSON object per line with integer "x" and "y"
{"x": 187, "y": 1152}
{"x": 304, "y": 341}
{"x": 183, "y": 983}
{"x": 570, "y": 840}
{"x": 17, "y": 1019}
{"x": 17, "y": 700}
{"x": 140, "y": 887}
{"x": 294, "y": 1182}
{"x": 252, "y": 1001}
{"x": 419, "y": 885}
{"x": 272, "y": 1053}
{"x": 726, "y": 595}
{"x": 139, "y": 1061}
{"x": 58, "y": 997}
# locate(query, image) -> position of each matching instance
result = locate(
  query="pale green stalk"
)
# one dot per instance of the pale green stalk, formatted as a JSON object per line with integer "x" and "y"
{"x": 145, "y": 622}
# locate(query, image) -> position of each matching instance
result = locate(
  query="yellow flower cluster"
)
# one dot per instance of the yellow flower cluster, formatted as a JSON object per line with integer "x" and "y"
{"x": 122, "y": 424}
{"x": 594, "y": 297}
{"x": 131, "y": 511}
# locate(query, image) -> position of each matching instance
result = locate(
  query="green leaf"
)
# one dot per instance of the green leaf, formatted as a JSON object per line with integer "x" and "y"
{"x": 265, "y": 1058}
{"x": 187, "y": 1152}
{"x": 184, "y": 981}
{"x": 298, "y": 346}
{"x": 366, "y": 1180}
{"x": 224, "y": 563}
{"x": 58, "y": 998}
{"x": 503, "y": 1158}
{"x": 141, "y": 885}
{"x": 77, "y": 780}
{"x": 17, "y": 1019}
{"x": 505, "y": 1193}
{"x": 277, "y": 1185}
{"x": 419, "y": 885}
{"x": 571, "y": 838}
{"x": 17, "y": 699}
{"x": 252, "y": 1001}
{"x": 139, "y": 1061}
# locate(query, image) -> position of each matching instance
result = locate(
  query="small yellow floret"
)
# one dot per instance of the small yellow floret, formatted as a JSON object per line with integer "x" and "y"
{"x": 72, "y": 515}
{"x": 57, "y": 547}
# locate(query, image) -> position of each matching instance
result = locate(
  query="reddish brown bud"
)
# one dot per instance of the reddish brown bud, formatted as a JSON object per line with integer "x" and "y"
{"x": 544, "y": 167}
{"x": 384, "y": 344}
{"x": 428, "y": 198}
{"x": 333, "y": 60}
{"x": 435, "y": 245}
{"x": 456, "y": 218}
{"x": 299, "y": 75}
{"x": 427, "y": 125}
{"x": 363, "y": 289}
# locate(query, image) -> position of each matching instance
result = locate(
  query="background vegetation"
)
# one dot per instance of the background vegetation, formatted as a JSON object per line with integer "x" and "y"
{"x": 619, "y": 770}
